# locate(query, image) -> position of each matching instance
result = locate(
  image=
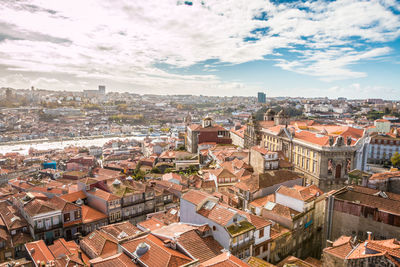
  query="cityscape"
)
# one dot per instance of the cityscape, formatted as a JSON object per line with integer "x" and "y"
{"x": 200, "y": 133}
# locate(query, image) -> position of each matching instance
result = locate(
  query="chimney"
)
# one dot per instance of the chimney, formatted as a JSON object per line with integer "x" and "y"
{"x": 369, "y": 235}
{"x": 329, "y": 243}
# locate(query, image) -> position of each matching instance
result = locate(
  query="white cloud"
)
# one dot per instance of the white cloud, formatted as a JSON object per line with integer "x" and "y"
{"x": 121, "y": 41}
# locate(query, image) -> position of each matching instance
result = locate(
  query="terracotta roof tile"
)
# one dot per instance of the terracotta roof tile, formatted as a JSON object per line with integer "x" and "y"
{"x": 260, "y": 202}
{"x": 102, "y": 194}
{"x": 219, "y": 214}
{"x": 99, "y": 244}
{"x": 39, "y": 252}
{"x": 151, "y": 224}
{"x": 225, "y": 259}
{"x": 300, "y": 192}
{"x": 121, "y": 231}
{"x": 202, "y": 248}
{"x": 91, "y": 215}
{"x": 120, "y": 259}
{"x": 72, "y": 197}
{"x": 157, "y": 255}
{"x": 195, "y": 196}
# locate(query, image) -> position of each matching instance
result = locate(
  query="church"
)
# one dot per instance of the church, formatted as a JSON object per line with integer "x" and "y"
{"x": 325, "y": 154}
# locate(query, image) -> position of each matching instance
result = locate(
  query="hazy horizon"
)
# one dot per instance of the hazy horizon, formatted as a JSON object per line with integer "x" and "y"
{"x": 231, "y": 48}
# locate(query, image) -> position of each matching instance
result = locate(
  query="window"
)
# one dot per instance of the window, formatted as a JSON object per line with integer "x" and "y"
{"x": 57, "y": 233}
{"x": 240, "y": 238}
{"x": 56, "y": 220}
{"x": 66, "y": 217}
{"x": 77, "y": 214}
{"x": 39, "y": 224}
{"x": 261, "y": 233}
{"x": 257, "y": 251}
{"x": 13, "y": 232}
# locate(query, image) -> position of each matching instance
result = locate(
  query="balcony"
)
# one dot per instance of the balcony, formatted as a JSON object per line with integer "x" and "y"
{"x": 149, "y": 209}
{"x": 46, "y": 228}
{"x": 131, "y": 203}
{"x": 137, "y": 214}
{"x": 239, "y": 246}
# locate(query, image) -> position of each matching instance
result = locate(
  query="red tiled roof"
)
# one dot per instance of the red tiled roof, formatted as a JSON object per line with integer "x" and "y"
{"x": 102, "y": 194}
{"x": 91, "y": 215}
{"x": 100, "y": 244}
{"x": 195, "y": 196}
{"x": 225, "y": 259}
{"x": 157, "y": 255}
{"x": 120, "y": 259}
{"x": 260, "y": 202}
{"x": 151, "y": 224}
{"x": 385, "y": 175}
{"x": 200, "y": 248}
{"x": 220, "y": 214}
{"x": 72, "y": 197}
{"x": 39, "y": 252}
{"x": 261, "y": 150}
{"x": 116, "y": 229}
{"x": 300, "y": 192}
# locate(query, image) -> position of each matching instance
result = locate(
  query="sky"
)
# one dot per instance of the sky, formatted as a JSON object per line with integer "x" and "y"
{"x": 209, "y": 47}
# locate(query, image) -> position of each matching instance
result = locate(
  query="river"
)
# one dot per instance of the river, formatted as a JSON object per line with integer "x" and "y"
{"x": 24, "y": 148}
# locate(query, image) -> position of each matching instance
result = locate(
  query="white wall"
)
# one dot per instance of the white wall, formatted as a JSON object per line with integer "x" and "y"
{"x": 290, "y": 202}
{"x": 188, "y": 214}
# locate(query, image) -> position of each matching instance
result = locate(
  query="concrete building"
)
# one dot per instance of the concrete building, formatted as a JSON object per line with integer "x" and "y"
{"x": 386, "y": 181}
{"x": 263, "y": 160}
{"x": 206, "y": 133}
{"x": 383, "y": 146}
{"x": 355, "y": 210}
{"x": 301, "y": 210}
{"x": 261, "y": 97}
{"x": 228, "y": 226}
{"x": 263, "y": 184}
{"x": 346, "y": 251}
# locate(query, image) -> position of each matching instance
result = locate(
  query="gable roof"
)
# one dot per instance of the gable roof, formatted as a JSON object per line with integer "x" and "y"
{"x": 72, "y": 197}
{"x": 91, "y": 215}
{"x": 202, "y": 248}
{"x": 120, "y": 259}
{"x": 300, "y": 192}
{"x": 100, "y": 244}
{"x": 195, "y": 196}
{"x": 37, "y": 206}
{"x": 39, "y": 252}
{"x": 225, "y": 259}
{"x": 267, "y": 179}
{"x": 157, "y": 255}
{"x": 121, "y": 230}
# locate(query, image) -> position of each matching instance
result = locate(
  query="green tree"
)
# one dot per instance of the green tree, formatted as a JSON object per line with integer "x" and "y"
{"x": 168, "y": 170}
{"x": 155, "y": 170}
{"x": 396, "y": 160}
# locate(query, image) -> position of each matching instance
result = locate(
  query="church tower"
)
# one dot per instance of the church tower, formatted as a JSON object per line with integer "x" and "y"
{"x": 207, "y": 122}
{"x": 269, "y": 115}
{"x": 281, "y": 118}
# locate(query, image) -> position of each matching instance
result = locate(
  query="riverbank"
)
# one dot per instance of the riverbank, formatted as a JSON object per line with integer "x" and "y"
{"x": 64, "y": 139}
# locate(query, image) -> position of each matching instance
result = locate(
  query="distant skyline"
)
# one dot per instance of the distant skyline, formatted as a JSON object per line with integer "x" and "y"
{"x": 233, "y": 47}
